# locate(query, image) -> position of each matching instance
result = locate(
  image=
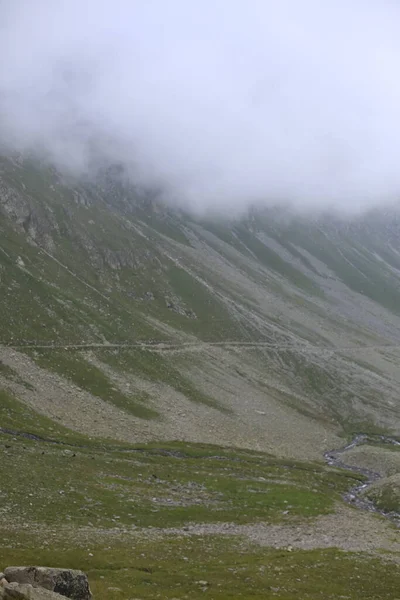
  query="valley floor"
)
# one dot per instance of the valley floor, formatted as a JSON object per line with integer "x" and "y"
{"x": 180, "y": 520}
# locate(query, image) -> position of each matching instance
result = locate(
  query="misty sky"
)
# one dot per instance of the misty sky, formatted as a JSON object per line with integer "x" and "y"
{"x": 218, "y": 102}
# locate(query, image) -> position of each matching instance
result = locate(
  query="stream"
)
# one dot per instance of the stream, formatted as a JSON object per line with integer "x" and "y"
{"x": 356, "y": 496}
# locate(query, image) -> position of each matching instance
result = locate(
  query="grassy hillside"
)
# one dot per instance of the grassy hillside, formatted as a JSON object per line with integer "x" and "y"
{"x": 133, "y": 303}
{"x": 168, "y": 385}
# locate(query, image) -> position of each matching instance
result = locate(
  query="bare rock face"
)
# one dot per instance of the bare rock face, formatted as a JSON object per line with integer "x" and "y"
{"x": 66, "y": 582}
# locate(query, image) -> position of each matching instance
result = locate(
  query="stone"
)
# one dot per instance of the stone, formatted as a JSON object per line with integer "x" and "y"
{"x": 67, "y": 582}
{"x": 67, "y": 452}
{"x": 26, "y": 591}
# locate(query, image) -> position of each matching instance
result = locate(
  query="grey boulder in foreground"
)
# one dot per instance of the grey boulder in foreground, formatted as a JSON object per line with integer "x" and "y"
{"x": 65, "y": 582}
{"x": 25, "y": 591}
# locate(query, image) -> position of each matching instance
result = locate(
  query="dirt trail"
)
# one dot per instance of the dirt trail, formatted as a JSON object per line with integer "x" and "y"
{"x": 156, "y": 346}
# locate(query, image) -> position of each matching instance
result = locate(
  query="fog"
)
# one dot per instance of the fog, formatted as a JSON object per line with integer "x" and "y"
{"x": 218, "y": 103}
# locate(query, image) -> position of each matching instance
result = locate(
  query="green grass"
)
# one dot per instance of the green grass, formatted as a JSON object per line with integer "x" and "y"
{"x": 208, "y": 567}
{"x": 157, "y": 368}
{"x": 387, "y": 498}
{"x": 101, "y": 506}
{"x": 15, "y": 414}
{"x": 154, "y": 367}
{"x": 213, "y": 321}
{"x": 80, "y": 509}
{"x": 99, "y": 249}
{"x": 72, "y": 365}
{"x": 160, "y": 485}
{"x": 19, "y": 417}
{"x": 357, "y": 267}
{"x": 112, "y": 259}
{"x": 272, "y": 260}
{"x": 11, "y": 375}
{"x": 386, "y": 493}
{"x": 6, "y": 371}
{"x": 355, "y": 426}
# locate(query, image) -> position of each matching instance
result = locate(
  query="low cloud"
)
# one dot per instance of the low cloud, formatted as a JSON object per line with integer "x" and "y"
{"x": 219, "y": 103}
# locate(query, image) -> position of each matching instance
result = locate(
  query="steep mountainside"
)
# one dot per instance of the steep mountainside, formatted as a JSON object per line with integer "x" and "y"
{"x": 178, "y": 395}
{"x": 122, "y": 318}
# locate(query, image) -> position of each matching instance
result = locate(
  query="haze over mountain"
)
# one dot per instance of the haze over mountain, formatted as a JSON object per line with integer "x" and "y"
{"x": 217, "y": 104}
{"x": 200, "y": 295}
{"x": 170, "y": 173}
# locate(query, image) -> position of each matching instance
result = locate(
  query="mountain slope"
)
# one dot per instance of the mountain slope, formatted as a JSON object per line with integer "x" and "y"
{"x": 129, "y": 320}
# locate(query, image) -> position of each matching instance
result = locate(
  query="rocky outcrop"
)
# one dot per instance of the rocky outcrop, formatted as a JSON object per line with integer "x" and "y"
{"x": 25, "y": 591}
{"x": 65, "y": 582}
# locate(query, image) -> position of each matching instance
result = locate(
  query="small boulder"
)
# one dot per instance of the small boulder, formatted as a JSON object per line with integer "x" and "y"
{"x": 68, "y": 453}
{"x": 67, "y": 582}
